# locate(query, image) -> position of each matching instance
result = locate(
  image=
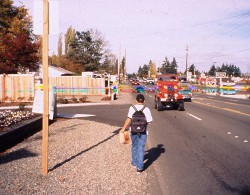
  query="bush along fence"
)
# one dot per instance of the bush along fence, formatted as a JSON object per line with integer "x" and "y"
{"x": 22, "y": 87}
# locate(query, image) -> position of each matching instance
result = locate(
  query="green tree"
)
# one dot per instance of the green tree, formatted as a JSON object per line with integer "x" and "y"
{"x": 237, "y": 72}
{"x": 192, "y": 69}
{"x": 224, "y": 68}
{"x": 212, "y": 71}
{"x": 166, "y": 66}
{"x": 174, "y": 67}
{"x": 231, "y": 70}
{"x": 140, "y": 72}
{"x": 123, "y": 64}
{"x": 86, "y": 50}
{"x": 143, "y": 71}
{"x": 107, "y": 65}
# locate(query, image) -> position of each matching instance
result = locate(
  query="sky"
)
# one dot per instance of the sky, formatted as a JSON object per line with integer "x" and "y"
{"x": 203, "y": 32}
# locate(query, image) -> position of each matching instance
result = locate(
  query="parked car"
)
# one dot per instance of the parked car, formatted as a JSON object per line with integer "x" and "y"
{"x": 150, "y": 81}
{"x": 135, "y": 82}
{"x": 187, "y": 94}
{"x": 139, "y": 89}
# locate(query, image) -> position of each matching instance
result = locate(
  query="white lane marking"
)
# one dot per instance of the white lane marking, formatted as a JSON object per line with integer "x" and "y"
{"x": 82, "y": 104}
{"x": 194, "y": 116}
{"x": 74, "y": 115}
{"x": 236, "y": 136}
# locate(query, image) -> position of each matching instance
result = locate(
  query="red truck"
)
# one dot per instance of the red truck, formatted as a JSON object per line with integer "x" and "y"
{"x": 167, "y": 93}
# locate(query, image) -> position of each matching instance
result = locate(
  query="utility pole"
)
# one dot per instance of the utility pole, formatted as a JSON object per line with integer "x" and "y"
{"x": 125, "y": 64}
{"x": 45, "y": 44}
{"x": 187, "y": 63}
{"x": 119, "y": 65}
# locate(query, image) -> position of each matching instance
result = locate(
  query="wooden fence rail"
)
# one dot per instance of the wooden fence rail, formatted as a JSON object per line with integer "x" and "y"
{"x": 21, "y": 87}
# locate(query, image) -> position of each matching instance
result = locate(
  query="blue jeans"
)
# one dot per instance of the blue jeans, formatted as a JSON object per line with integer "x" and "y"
{"x": 138, "y": 144}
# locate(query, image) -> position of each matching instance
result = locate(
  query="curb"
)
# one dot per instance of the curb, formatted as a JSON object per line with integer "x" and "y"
{"x": 12, "y": 137}
{"x": 59, "y": 105}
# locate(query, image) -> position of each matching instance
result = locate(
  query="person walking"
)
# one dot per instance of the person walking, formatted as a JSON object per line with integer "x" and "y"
{"x": 138, "y": 138}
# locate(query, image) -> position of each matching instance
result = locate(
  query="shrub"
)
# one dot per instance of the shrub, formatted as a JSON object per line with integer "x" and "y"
{"x": 106, "y": 98}
{"x": 83, "y": 99}
{"x": 20, "y": 99}
{"x": 5, "y": 98}
{"x": 62, "y": 100}
{"x": 74, "y": 99}
{"x": 31, "y": 99}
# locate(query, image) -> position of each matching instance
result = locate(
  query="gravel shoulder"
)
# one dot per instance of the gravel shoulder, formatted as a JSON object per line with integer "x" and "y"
{"x": 85, "y": 157}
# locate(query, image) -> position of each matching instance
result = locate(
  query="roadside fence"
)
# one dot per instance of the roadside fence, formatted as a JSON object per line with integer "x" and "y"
{"x": 22, "y": 87}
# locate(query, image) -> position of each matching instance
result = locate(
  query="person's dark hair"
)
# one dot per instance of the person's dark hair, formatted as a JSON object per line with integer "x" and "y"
{"x": 140, "y": 98}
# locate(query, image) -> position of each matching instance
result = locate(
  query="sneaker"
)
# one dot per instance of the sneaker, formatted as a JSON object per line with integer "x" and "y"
{"x": 139, "y": 171}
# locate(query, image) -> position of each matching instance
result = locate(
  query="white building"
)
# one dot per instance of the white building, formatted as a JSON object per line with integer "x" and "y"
{"x": 56, "y": 72}
{"x": 88, "y": 74}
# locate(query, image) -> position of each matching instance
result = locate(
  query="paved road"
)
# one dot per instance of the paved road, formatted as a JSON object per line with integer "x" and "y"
{"x": 207, "y": 147}
{"x": 202, "y": 150}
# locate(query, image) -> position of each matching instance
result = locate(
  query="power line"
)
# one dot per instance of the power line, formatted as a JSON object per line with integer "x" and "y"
{"x": 243, "y": 50}
{"x": 245, "y": 15}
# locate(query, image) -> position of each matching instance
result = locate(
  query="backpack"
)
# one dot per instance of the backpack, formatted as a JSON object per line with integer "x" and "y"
{"x": 138, "y": 121}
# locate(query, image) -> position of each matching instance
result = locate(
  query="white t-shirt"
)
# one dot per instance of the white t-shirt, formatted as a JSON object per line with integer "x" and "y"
{"x": 146, "y": 111}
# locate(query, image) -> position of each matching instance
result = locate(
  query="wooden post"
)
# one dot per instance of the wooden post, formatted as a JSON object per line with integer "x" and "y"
{"x": 46, "y": 87}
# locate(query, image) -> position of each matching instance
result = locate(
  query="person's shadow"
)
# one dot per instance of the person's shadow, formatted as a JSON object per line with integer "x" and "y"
{"x": 152, "y": 154}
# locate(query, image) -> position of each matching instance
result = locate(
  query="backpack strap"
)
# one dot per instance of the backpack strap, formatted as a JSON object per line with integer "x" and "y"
{"x": 134, "y": 107}
{"x": 143, "y": 108}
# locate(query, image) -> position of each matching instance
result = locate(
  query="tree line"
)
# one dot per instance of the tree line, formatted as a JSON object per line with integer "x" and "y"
{"x": 230, "y": 69}
{"x": 85, "y": 51}
{"x": 150, "y": 70}
{"x": 20, "y": 50}
{"x": 168, "y": 67}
